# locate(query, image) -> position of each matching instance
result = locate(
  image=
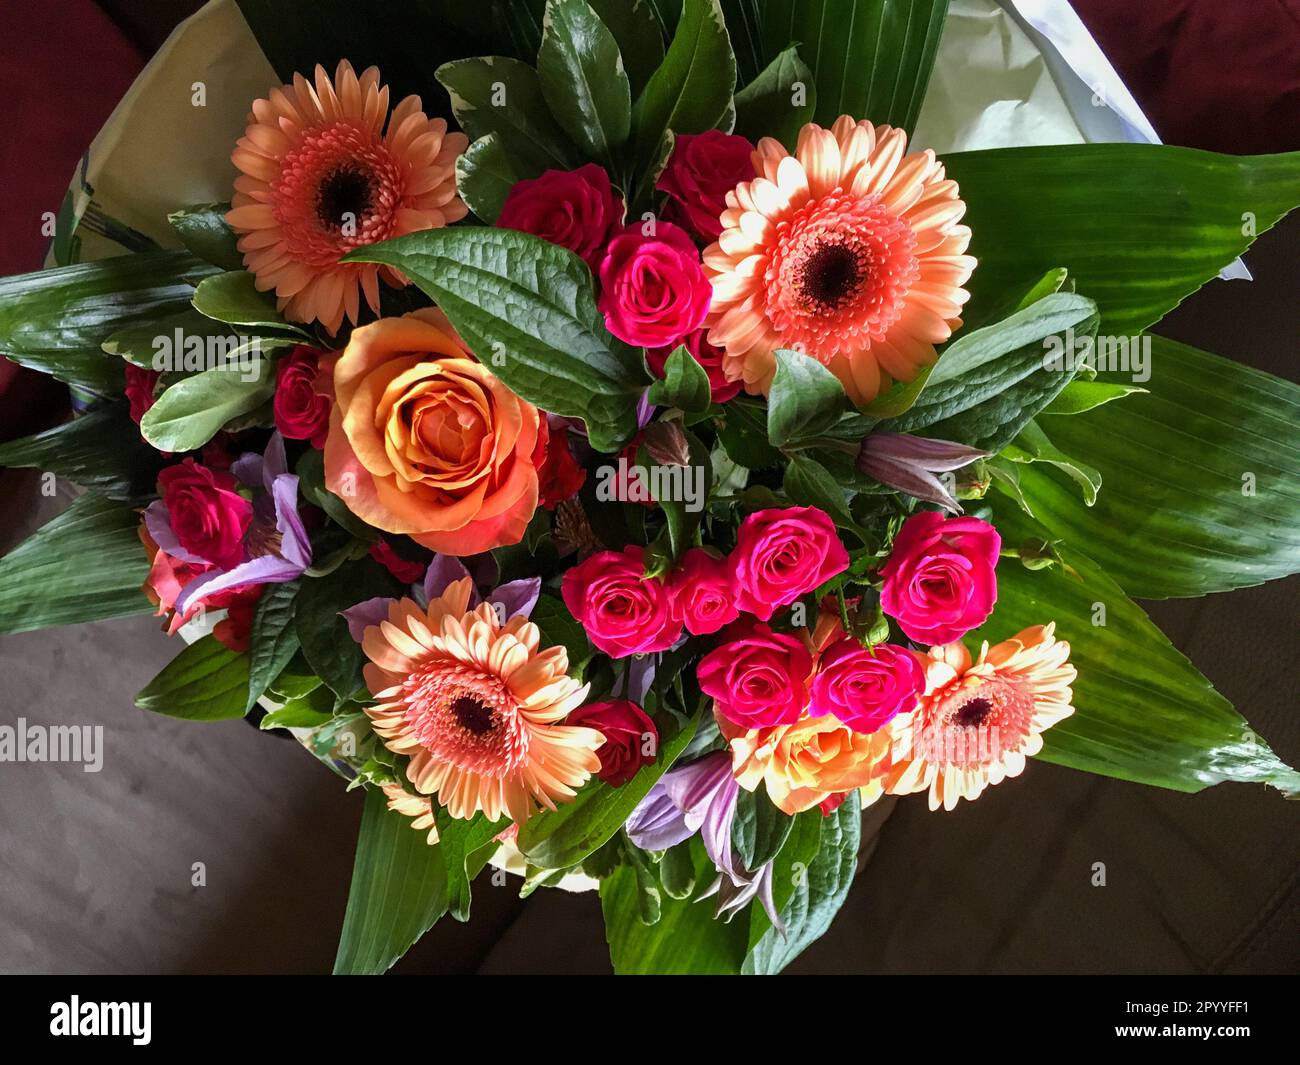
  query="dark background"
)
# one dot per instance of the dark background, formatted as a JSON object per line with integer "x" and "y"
{"x": 95, "y": 870}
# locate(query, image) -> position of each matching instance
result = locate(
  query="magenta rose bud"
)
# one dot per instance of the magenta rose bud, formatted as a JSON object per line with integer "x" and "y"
{"x": 782, "y": 554}
{"x": 759, "y": 678}
{"x": 653, "y": 288}
{"x": 301, "y": 412}
{"x": 707, "y": 355}
{"x": 576, "y": 209}
{"x": 939, "y": 580}
{"x": 703, "y": 592}
{"x": 703, "y": 168}
{"x": 624, "y": 612}
{"x": 866, "y": 689}
{"x": 205, "y": 512}
{"x": 631, "y": 739}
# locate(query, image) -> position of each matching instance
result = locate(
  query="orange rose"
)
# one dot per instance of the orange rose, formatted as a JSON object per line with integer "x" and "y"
{"x": 424, "y": 440}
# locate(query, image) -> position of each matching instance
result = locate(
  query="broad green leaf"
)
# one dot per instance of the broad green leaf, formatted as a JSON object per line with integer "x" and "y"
{"x": 504, "y": 96}
{"x": 485, "y": 174}
{"x": 745, "y": 28}
{"x": 870, "y": 58}
{"x": 1201, "y": 478}
{"x": 684, "y": 385}
{"x": 326, "y": 643}
{"x": 640, "y": 37}
{"x": 188, "y": 342}
{"x": 805, "y": 398}
{"x": 192, "y": 411}
{"x": 685, "y": 940}
{"x": 86, "y": 565}
{"x": 742, "y": 429}
{"x": 464, "y": 846}
{"x": 1138, "y": 226}
{"x": 399, "y": 889}
{"x": 1080, "y": 396}
{"x": 55, "y": 320}
{"x": 900, "y": 398}
{"x": 273, "y": 641}
{"x": 1033, "y": 445}
{"x": 760, "y": 829}
{"x": 1142, "y": 711}
{"x": 767, "y": 106}
{"x": 205, "y": 682}
{"x": 563, "y": 837}
{"x": 203, "y": 230}
{"x": 233, "y": 298}
{"x": 309, "y": 711}
{"x": 527, "y": 309}
{"x": 691, "y": 90}
{"x": 676, "y": 871}
{"x": 808, "y": 483}
{"x": 101, "y": 450}
{"x": 583, "y": 80}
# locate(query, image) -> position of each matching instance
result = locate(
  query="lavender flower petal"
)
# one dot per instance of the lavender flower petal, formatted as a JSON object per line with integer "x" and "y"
{"x": 159, "y": 524}
{"x": 658, "y": 823}
{"x": 518, "y": 597}
{"x": 266, "y": 569}
{"x": 365, "y": 614}
{"x": 443, "y": 571}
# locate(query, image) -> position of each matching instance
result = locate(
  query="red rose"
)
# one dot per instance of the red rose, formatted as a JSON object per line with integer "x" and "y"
{"x": 707, "y": 355}
{"x": 576, "y": 209}
{"x": 703, "y": 592}
{"x": 624, "y": 612}
{"x": 205, "y": 512}
{"x": 236, "y": 628}
{"x": 631, "y": 739}
{"x": 559, "y": 476}
{"x": 140, "y": 385}
{"x": 759, "y": 678}
{"x": 403, "y": 569}
{"x": 301, "y": 412}
{"x": 866, "y": 689}
{"x": 703, "y": 168}
{"x": 653, "y": 290}
{"x": 782, "y": 554}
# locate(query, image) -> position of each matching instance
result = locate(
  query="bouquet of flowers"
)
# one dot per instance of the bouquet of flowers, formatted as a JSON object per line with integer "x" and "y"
{"x": 630, "y": 457}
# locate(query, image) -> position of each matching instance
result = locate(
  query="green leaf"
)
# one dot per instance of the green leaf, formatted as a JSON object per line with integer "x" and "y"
{"x": 562, "y": 838}
{"x": 273, "y": 641}
{"x": 818, "y": 890}
{"x": 310, "y": 711}
{"x": 559, "y": 628}
{"x": 205, "y": 682}
{"x": 1138, "y": 226}
{"x": 808, "y": 483}
{"x": 188, "y": 342}
{"x": 1080, "y": 396}
{"x": 1201, "y": 476}
{"x": 464, "y": 846}
{"x": 1142, "y": 711}
{"x": 326, "y": 643}
{"x": 742, "y": 429}
{"x": 1033, "y": 445}
{"x": 233, "y": 298}
{"x": 805, "y": 399}
{"x": 399, "y": 889}
{"x": 311, "y": 483}
{"x": 640, "y": 37}
{"x": 870, "y": 58}
{"x": 684, "y": 385}
{"x": 485, "y": 174}
{"x": 583, "y": 80}
{"x": 745, "y": 28}
{"x": 192, "y": 411}
{"x": 685, "y": 939}
{"x": 691, "y": 90}
{"x": 101, "y": 450}
{"x": 55, "y": 320}
{"x": 504, "y": 96}
{"x": 766, "y": 107}
{"x": 203, "y": 230}
{"x": 677, "y": 871}
{"x": 527, "y": 309}
{"x": 86, "y": 565}
{"x": 760, "y": 829}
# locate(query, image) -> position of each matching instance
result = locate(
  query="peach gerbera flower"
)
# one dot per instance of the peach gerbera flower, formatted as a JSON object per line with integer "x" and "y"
{"x": 849, "y": 251}
{"x": 477, "y": 707}
{"x": 416, "y": 807}
{"x": 320, "y": 177}
{"x": 978, "y": 722}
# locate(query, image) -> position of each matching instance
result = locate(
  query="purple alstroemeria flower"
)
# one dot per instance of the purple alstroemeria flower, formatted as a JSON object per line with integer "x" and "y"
{"x": 701, "y": 797}
{"x": 276, "y": 547}
{"x": 514, "y": 597}
{"x": 909, "y": 463}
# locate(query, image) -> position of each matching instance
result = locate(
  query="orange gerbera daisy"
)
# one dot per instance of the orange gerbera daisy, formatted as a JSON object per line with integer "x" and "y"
{"x": 978, "y": 722}
{"x": 416, "y": 807}
{"x": 477, "y": 707}
{"x": 320, "y": 177}
{"x": 849, "y": 251}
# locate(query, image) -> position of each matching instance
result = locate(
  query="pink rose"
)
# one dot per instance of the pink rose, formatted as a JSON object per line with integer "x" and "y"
{"x": 759, "y": 678}
{"x": 205, "y": 512}
{"x": 140, "y": 385}
{"x": 624, "y": 612}
{"x": 653, "y": 289}
{"x": 866, "y": 689}
{"x": 631, "y": 738}
{"x": 576, "y": 209}
{"x": 707, "y": 355}
{"x": 301, "y": 412}
{"x": 782, "y": 554}
{"x": 703, "y": 592}
{"x": 703, "y": 168}
{"x": 939, "y": 580}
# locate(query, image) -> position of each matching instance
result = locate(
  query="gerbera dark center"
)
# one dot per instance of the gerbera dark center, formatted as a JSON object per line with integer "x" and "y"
{"x": 973, "y": 713}
{"x": 473, "y": 715}
{"x": 344, "y": 196}
{"x": 831, "y": 275}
